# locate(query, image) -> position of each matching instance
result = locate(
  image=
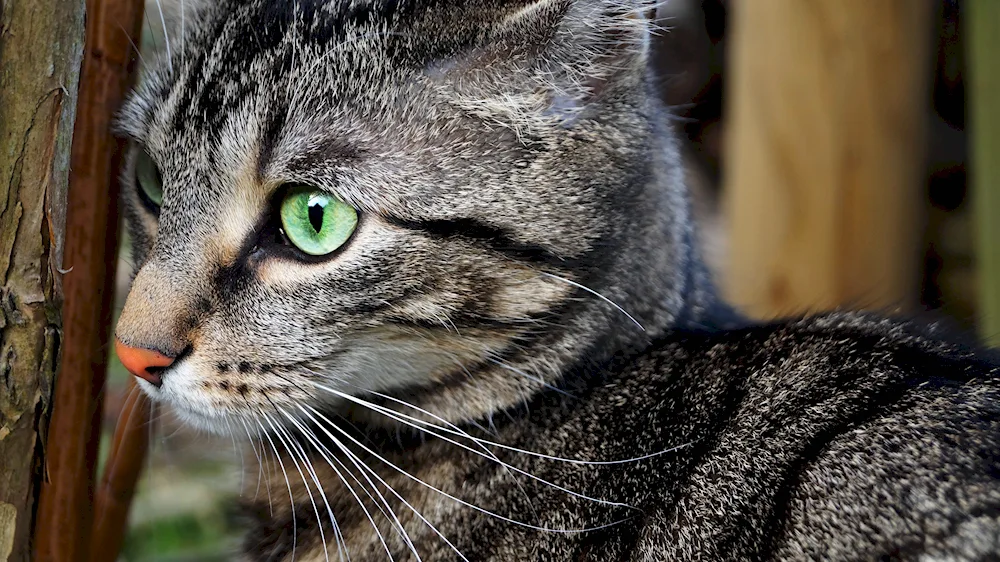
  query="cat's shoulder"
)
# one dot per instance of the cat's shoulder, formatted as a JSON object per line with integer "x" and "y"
{"x": 847, "y": 434}
{"x": 830, "y": 346}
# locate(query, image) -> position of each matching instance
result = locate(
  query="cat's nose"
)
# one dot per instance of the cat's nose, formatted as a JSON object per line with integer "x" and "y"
{"x": 143, "y": 363}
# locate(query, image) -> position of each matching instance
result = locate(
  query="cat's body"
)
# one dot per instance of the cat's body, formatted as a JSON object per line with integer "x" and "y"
{"x": 842, "y": 437}
{"x": 522, "y": 274}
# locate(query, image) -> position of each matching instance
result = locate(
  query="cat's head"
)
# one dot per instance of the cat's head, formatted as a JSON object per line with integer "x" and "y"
{"x": 431, "y": 198}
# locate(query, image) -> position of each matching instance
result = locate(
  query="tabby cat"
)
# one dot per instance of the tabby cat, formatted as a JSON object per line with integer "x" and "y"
{"x": 434, "y": 262}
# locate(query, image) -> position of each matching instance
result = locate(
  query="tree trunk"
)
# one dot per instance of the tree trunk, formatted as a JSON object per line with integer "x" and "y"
{"x": 66, "y": 505}
{"x": 41, "y": 45}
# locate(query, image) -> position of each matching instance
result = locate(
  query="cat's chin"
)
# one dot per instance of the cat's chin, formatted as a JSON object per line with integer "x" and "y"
{"x": 217, "y": 425}
{"x": 215, "y": 422}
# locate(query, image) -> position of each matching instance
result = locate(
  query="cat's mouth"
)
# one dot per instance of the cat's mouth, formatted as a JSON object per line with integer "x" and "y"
{"x": 176, "y": 390}
{"x": 223, "y": 406}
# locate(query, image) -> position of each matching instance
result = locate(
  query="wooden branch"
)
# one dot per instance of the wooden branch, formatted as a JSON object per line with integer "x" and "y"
{"x": 41, "y": 43}
{"x": 983, "y": 27}
{"x": 65, "y": 508}
{"x": 121, "y": 474}
{"x": 824, "y": 167}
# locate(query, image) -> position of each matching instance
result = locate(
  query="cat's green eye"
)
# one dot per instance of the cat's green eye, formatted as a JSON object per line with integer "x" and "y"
{"x": 316, "y": 222}
{"x": 147, "y": 175}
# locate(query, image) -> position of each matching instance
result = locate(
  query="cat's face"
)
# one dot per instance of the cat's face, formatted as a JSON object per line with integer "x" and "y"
{"x": 381, "y": 197}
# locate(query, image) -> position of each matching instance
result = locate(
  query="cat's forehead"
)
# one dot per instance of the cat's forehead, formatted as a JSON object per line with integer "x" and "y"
{"x": 277, "y": 53}
{"x": 235, "y": 55}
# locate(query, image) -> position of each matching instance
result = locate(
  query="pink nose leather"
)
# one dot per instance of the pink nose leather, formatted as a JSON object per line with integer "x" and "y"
{"x": 143, "y": 363}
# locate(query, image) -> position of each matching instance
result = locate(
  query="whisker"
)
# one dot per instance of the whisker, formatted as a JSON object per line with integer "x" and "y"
{"x": 183, "y": 29}
{"x": 260, "y": 463}
{"x": 291, "y": 498}
{"x": 305, "y": 483}
{"x": 152, "y": 33}
{"x": 269, "y": 472}
{"x": 236, "y": 451}
{"x": 342, "y": 545}
{"x": 263, "y": 452}
{"x": 400, "y": 529}
{"x": 450, "y": 496}
{"x": 133, "y": 395}
{"x": 143, "y": 62}
{"x": 166, "y": 36}
{"x": 494, "y": 443}
{"x": 359, "y": 462}
{"x": 322, "y": 450}
{"x": 596, "y": 294}
{"x": 489, "y": 455}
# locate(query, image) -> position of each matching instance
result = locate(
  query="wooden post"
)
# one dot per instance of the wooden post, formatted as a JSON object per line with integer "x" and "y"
{"x": 66, "y": 503}
{"x": 983, "y": 28}
{"x": 824, "y": 169}
{"x": 41, "y": 43}
{"x": 129, "y": 448}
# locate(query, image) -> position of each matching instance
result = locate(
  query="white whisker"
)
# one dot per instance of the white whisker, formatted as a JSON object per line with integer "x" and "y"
{"x": 496, "y": 444}
{"x": 450, "y": 496}
{"x": 236, "y": 451}
{"x": 291, "y": 497}
{"x": 596, "y": 294}
{"x": 360, "y": 463}
{"x": 152, "y": 32}
{"x": 142, "y": 61}
{"x": 183, "y": 44}
{"x": 166, "y": 36}
{"x": 291, "y": 454}
{"x": 260, "y": 464}
{"x": 411, "y": 421}
{"x": 322, "y": 450}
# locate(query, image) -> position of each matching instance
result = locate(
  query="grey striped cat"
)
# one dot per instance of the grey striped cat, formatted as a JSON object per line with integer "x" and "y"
{"x": 434, "y": 262}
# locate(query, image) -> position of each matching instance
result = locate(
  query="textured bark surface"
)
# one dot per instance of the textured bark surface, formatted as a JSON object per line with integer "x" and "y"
{"x": 41, "y": 44}
{"x": 66, "y": 506}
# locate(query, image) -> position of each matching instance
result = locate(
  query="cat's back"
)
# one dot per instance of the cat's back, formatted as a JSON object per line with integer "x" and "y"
{"x": 843, "y": 436}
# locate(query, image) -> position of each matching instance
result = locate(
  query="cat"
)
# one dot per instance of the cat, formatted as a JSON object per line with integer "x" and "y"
{"x": 434, "y": 261}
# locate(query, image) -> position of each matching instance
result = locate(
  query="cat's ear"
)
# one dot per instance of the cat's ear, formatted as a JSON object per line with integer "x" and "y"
{"x": 610, "y": 11}
{"x": 554, "y": 58}
{"x": 596, "y": 41}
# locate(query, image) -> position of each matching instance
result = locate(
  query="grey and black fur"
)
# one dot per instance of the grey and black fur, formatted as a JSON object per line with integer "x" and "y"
{"x": 519, "y": 354}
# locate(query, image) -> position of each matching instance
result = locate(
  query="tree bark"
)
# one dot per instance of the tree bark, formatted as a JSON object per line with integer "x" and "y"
{"x": 41, "y": 45}
{"x": 66, "y": 506}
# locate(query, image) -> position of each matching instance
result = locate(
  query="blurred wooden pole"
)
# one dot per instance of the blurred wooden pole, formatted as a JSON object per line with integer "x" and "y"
{"x": 983, "y": 28}
{"x": 41, "y": 43}
{"x": 825, "y": 153}
{"x": 65, "y": 509}
{"x": 126, "y": 457}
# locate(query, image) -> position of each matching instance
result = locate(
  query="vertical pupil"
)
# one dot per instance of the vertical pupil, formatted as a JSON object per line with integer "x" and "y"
{"x": 316, "y": 216}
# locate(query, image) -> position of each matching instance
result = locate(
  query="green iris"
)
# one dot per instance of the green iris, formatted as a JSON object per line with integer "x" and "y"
{"x": 147, "y": 175}
{"x": 316, "y": 222}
